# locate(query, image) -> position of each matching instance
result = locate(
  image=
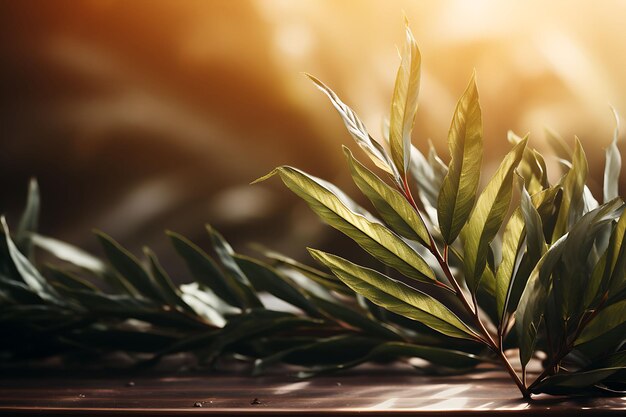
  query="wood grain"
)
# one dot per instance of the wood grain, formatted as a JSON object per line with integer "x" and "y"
{"x": 370, "y": 390}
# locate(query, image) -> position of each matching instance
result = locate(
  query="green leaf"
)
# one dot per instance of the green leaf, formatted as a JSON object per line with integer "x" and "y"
{"x": 531, "y": 305}
{"x": 396, "y": 296}
{"x": 357, "y": 130}
{"x": 606, "y": 320}
{"x": 587, "y": 377}
{"x": 535, "y": 240}
{"x": 392, "y": 206}
{"x": 613, "y": 165}
{"x": 129, "y": 267}
{"x": 70, "y": 253}
{"x": 465, "y": 141}
{"x": 69, "y": 280}
{"x": 170, "y": 293}
{"x": 29, "y": 221}
{"x": 372, "y": 236}
{"x": 574, "y": 272}
{"x": 265, "y": 278}
{"x": 204, "y": 269}
{"x": 615, "y": 276}
{"x": 239, "y": 281}
{"x": 404, "y": 104}
{"x": 27, "y": 271}
{"x": 488, "y": 216}
{"x": 447, "y": 358}
{"x": 428, "y": 174}
{"x": 573, "y": 184}
{"x": 343, "y": 314}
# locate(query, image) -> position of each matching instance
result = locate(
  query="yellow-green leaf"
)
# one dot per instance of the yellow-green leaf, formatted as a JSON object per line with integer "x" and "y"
{"x": 404, "y": 104}
{"x": 395, "y": 210}
{"x": 396, "y": 296}
{"x": 465, "y": 141}
{"x": 371, "y": 235}
{"x": 607, "y": 319}
{"x": 488, "y": 215}
{"x": 573, "y": 185}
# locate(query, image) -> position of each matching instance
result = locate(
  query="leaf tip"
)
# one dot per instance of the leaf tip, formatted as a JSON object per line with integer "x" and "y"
{"x": 266, "y": 176}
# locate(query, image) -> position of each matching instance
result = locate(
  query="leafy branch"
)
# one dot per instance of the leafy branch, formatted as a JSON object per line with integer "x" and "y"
{"x": 467, "y": 276}
{"x": 552, "y": 282}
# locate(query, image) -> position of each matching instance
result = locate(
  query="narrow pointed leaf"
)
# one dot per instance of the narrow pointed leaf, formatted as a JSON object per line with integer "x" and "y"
{"x": 345, "y": 315}
{"x": 372, "y": 236}
{"x": 535, "y": 241}
{"x": 29, "y": 221}
{"x": 392, "y": 206}
{"x": 613, "y": 166}
{"x": 396, "y": 296}
{"x": 532, "y": 302}
{"x": 573, "y": 185}
{"x": 70, "y": 253}
{"x": 27, "y": 271}
{"x": 606, "y": 320}
{"x": 428, "y": 174}
{"x": 170, "y": 293}
{"x": 404, "y": 104}
{"x": 239, "y": 280}
{"x": 357, "y": 129}
{"x": 573, "y": 275}
{"x": 458, "y": 190}
{"x": 129, "y": 267}
{"x": 204, "y": 269}
{"x": 264, "y": 277}
{"x": 488, "y": 216}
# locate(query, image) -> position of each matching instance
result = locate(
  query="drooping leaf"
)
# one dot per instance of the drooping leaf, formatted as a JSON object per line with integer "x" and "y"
{"x": 372, "y": 236}
{"x": 488, "y": 216}
{"x": 458, "y": 190}
{"x": 396, "y": 296}
{"x": 573, "y": 184}
{"x": 338, "y": 312}
{"x": 404, "y": 104}
{"x": 613, "y": 165}
{"x": 447, "y": 358}
{"x": 390, "y": 204}
{"x": 587, "y": 377}
{"x": 357, "y": 130}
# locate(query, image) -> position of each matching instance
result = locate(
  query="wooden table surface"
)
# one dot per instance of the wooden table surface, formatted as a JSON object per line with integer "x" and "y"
{"x": 364, "y": 391}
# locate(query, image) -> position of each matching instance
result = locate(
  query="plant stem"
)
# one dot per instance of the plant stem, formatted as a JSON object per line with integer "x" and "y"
{"x": 443, "y": 263}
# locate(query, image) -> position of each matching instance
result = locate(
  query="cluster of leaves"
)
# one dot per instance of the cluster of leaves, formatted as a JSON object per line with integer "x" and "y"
{"x": 523, "y": 264}
{"x": 77, "y": 305}
{"x": 469, "y": 277}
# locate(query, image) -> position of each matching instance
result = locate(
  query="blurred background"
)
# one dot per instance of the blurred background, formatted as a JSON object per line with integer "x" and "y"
{"x": 145, "y": 115}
